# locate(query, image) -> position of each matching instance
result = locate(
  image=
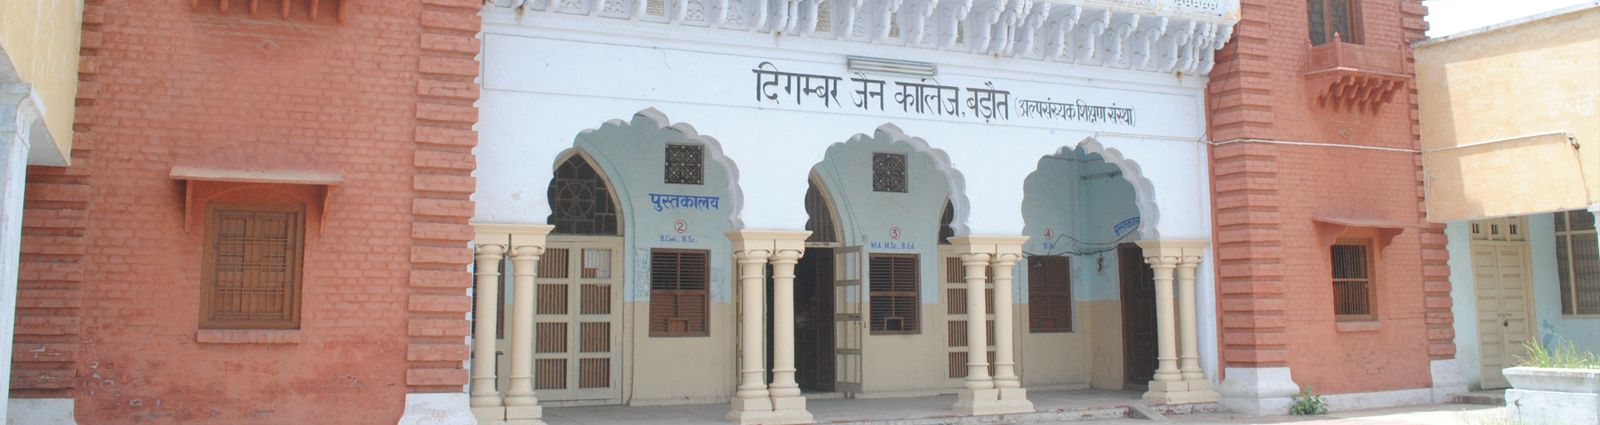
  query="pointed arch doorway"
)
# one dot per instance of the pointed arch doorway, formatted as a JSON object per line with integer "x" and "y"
{"x": 577, "y": 313}
{"x": 815, "y": 357}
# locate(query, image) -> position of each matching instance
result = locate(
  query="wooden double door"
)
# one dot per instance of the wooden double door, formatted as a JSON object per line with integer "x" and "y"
{"x": 1138, "y": 317}
{"x": 577, "y": 323}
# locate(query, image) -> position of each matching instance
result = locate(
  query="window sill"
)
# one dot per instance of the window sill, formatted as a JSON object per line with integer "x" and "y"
{"x": 248, "y": 336}
{"x": 1360, "y": 326}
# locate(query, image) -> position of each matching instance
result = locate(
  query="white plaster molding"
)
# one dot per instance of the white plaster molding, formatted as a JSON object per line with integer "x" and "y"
{"x": 41, "y": 411}
{"x": 1145, "y": 35}
{"x": 1257, "y": 391}
{"x": 1143, "y": 189}
{"x": 1447, "y": 380}
{"x": 436, "y": 409}
{"x": 1378, "y": 399}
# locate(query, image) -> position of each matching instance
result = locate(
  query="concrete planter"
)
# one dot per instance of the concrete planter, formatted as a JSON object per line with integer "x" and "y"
{"x": 1553, "y": 396}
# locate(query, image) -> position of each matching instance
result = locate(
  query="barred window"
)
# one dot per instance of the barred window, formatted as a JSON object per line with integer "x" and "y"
{"x": 1049, "y": 294}
{"x": 678, "y": 295}
{"x": 580, "y": 201}
{"x": 1352, "y": 278}
{"x": 1329, "y": 17}
{"x": 894, "y": 294}
{"x": 889, "y": 172}
{"x": 1578, "y": 262}
{"x": 252, "y": 266}
{"x": 685, "y": 164}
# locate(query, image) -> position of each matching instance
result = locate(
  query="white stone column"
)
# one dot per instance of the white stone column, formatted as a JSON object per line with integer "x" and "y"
{"x": 979, "y": 395}
{"x": 754, "y": 403}
{"x": 19, "y": 111}
{"x": 977, "y": 333}
{"x": 527, "y": 246}
{"x": 486, "y": 402}
{"x": 752, "y": 395}
{"x": 1177, "y": 323}
{"x": 1005, "y": 376}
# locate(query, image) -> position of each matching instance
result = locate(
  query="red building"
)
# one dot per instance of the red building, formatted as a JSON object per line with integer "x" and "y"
{"x": 340, "y": 129}
{"x": 1316, "y": 167}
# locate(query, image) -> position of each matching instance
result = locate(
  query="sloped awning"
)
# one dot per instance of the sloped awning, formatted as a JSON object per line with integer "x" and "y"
{"x": 190, "y": 175}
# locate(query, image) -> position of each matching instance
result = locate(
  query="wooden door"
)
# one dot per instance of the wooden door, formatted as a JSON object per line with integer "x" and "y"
{"x": 1138, "y": 316}
{"x": 577, "y": 327}
{"x": 813, "y": 321}
{"x": 1500, "y": 277}
{"x": 850, "y": 326}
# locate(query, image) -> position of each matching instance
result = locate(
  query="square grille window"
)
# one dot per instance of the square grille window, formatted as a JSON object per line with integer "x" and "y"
{"x": 1352, "y": 279}
{"x": 889, "y": 172}
{"x": 685, "y": 164}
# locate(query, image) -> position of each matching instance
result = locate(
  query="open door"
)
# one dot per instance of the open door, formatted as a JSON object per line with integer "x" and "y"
{"x": 849, "y": 318}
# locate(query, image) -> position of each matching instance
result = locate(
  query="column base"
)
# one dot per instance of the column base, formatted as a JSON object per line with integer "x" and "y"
{"x": 524, "y": 414}
{"x": 436, "y": 409}
{"x": 41, "y": 411}
{"x": 785, "y": 416}
{"x": 1181, "y": 392}
{"x": 993, "y": 401}
{"x": 1258, "y": 391}
{"x": 1447, "y": 380}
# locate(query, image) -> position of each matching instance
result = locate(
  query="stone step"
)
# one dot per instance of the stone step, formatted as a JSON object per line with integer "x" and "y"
{"x": 1485, "y": 398}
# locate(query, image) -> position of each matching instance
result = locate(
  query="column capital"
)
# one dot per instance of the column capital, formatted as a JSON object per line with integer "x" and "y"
{"x": 1006, "y": 259}
{"x": 1181, "y": 251}
{"x": 989, "y": 244}
{"x": 752, "y": 255}
{"x": 768, "y": 240}
{"x": 514, "y": 235}
{"x": 974, "y": 258}
{"x": 787, "y": 256}
{"x": 524, "y": 251}
{"x": 490, "y": 249}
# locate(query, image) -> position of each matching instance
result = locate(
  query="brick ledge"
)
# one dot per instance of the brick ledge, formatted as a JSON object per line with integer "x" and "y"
{"x": 247, "y": 336}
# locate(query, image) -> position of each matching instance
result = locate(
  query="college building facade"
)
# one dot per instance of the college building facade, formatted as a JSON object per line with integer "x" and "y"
{"x": 466, "y": 211}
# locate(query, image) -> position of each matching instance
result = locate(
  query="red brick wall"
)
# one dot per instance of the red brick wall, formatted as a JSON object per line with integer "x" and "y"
{"x": 111, "y": 275}
{"x": 1275, "y": 292}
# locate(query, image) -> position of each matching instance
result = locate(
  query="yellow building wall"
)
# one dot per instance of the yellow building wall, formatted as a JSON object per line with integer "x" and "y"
{"x": 41, "y": 38}
{"x": 1493, "y": 107}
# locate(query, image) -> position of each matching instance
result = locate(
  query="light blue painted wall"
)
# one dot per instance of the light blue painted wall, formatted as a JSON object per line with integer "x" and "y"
{"x": 1084, "y": 214}
{"x": 866, "y": 216}
{"x": 633, "y": 156}
{"x": 1551, "y": 324}
{"x": 1584, "y": 332}
{"x": 1464, "y": 302}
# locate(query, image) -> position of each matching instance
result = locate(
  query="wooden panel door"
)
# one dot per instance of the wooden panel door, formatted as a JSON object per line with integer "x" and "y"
{"x": 814, "y": 355}
{"x": 957, "y": 318}
{"x": 1138, "y": 316}
{"x": 577, "y": 328}
{"x": 849, "y": 302}
{"x": 1500, "y": 276}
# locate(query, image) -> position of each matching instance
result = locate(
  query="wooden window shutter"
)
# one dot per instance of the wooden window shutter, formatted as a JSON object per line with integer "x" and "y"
{"x": 679, "y": 303}
{"x": 1049, "y": 294}
{"x": 894, "y": 293}
{"x": 252, "y": 263}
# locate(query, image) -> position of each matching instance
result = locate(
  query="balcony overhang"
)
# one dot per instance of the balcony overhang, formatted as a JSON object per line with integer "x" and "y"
{"x": 1167, "y": 36}
{"x": 1349, "y": 77}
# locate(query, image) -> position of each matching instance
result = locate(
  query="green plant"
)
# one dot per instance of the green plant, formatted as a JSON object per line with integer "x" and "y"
{"x": 1307, "y": 403}
{"x": 1563, "y": 355}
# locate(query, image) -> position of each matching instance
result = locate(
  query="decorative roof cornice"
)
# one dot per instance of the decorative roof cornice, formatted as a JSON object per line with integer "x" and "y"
{"x": 1168, "y": 36}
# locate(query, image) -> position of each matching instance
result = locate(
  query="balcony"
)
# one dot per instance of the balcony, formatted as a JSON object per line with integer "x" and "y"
{"x": 1348, "y": 77}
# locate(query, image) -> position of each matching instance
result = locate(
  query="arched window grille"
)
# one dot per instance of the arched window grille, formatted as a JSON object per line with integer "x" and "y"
{"x": 580, "y": 201}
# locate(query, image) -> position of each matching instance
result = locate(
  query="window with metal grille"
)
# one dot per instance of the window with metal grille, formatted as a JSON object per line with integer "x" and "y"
{"x": 894, "y": 295}
{"x": 678, "y": 296}
{"x": 580, "y": 201}
{"x": 1049, "y": 294}
{"x": 889, "y": 172}
{"x": 819, "y": 216}
{"x": 685, "y": 164}
{"x": 1578, "y": 262}
{"x": 252, "y": 266}
{"x": 1352, "y": 278}
{"x": 949, "y": 216}
{"x": 1329, "y": 17}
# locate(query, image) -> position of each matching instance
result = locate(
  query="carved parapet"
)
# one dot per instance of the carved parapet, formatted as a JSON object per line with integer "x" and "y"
{"x": 1354, "y": 78}
{"x": 948, "y": 18}
{"x": 1062, "y": 20}
{"x": 1024, "y": 43}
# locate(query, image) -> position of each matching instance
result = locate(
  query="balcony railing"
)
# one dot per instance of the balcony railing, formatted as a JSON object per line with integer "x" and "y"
{"x": 1354, "y": 77}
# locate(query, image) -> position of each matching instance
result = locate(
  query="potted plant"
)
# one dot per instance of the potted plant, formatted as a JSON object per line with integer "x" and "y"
{"x": 1557, "y": 385}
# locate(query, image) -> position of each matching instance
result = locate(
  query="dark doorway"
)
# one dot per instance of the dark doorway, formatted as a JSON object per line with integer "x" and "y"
{"x": 813, "y": 321}
{"x": 1138, "y": 317}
